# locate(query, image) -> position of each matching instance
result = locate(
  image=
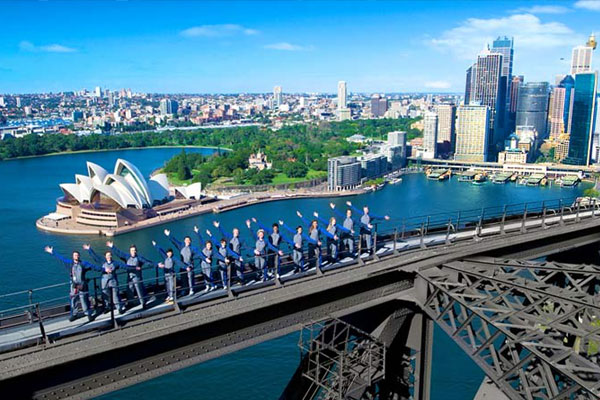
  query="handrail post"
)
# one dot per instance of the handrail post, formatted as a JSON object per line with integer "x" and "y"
{"x": 577, "y": 214}
{"x": 562, "y": 213}
{"x": 482, "y": 218}
{"x": 544, "y": 215}
{"x": 275, "y": 271}
{"x": 394, "y": 248}
{"x": 422, "y": 240}
{"x": 448, "y": 231}
{"x": 458, "y": 222}
{"x": 228, "y": 271}
{"x": 360, "y": 260}
{"x": 40, "y": 323}
{"x": 375, "y": 256}
{"x": 427, "y": 226}
{"x": 177, "y": 309}
{"x": 96, "y": 293}
{"x": 31, "y": 308}
{"x": 502, "y": 231}
{"x": 112, "y": 308}
{"x": 523, "y": 222}
{"x": 594, "y": 208}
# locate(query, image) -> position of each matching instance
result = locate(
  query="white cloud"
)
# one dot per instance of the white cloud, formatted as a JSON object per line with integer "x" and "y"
{"x": 593, "y": 5}
{"x": 49, "y": 48}
{"x": 438, "y": 85}
{"x": 541, "y": 9}
{"x": 529, "y": 32}
{"x": 285, "y": 46}
{"x": 217, "y": 31}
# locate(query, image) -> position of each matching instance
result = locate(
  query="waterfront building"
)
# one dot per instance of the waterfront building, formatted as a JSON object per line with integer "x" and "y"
{"x": 343, "y": 173}
{"x": 472, "y": 133}
{"x": 168, "y": 107}
{"x": 513, "y": 153}
{"x": 395, "y": 155}
{"x": 446, "y": 126}
{"x": 259, "y": 161}
{"x": 277, "y": 97}
{"x": 584, "y": 113}
{"x": 561, "y": 149}
{"x": 532, "y": 106}
{"x": 488, "y": 90}
{"x": 378, "y": 105}
{"x": 372, "y": 165}
{"x": 430, "y": 135}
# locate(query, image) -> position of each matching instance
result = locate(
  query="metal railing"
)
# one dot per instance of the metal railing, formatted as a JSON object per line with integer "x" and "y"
{"x": 389, "y": 238}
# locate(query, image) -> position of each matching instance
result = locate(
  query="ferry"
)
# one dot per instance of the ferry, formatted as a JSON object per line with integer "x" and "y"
{"x": 535, "y": 179}
{"x": 439, "y": 174}
{"x": 479, "y": 179}
{"x": 501, "y": 177}
{"x": 568, "y": 181}
{"x": 466, "y": 176}
{"x": 395, "y": 181}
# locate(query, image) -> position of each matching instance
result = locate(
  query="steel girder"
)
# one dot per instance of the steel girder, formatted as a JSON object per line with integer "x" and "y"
{"x": 532, "y": 327}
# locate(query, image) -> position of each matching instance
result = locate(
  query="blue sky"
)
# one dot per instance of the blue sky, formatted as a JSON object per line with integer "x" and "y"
{"x": 231, "y": 47}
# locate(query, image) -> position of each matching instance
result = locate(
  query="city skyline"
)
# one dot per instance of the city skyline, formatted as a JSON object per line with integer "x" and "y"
{"x": 188, "y": 47}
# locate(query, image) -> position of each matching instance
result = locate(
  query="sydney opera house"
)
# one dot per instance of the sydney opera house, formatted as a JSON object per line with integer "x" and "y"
{"x": 124, "y": 197}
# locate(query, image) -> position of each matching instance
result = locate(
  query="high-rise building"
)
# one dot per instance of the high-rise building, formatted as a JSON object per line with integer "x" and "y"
{"x": 584, "y": 113}
{"x": 514, "y": 92}
{"x": 168, "y": 106}
{"x": 396, "y": 138}
{"x": 343, "y": 112}
{"x": 469, "y": 83}
{"x": 342, "y": 95}
{"x": 373, "y": 165}
{"x": 504, "y": 46}
{"x": 378, "y": 105}
{"x": 2, "y": 102}
{"x": 472, "y": 133}
{"x": 18, "y": 102}
{"x": 446, "y": 123}
{"x": 430, "y": 135}
{"x": 488, "y": 91}
{"x": 581, "y": 60}
{"x": 561, "y": 107}
{"x": 277, "y": 97}
{"x": 532, "y": 106}
{"x": 98, "y": 92}
{"x": 343, "y": 173}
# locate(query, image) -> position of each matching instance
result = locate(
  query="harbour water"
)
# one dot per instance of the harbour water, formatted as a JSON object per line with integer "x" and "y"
{"x": 30, "y": 188}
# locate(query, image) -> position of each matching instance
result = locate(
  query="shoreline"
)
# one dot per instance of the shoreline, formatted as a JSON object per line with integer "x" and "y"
{"x": 64, "y": 153}
{"x": 214, "y": 207}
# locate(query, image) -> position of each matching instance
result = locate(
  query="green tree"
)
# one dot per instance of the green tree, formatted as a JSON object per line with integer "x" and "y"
{"x": 295, "y": 170}
{"x": 591, "y": 192}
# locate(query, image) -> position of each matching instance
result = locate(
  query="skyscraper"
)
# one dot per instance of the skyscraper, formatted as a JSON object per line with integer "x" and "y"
{"x": 98, "y": 92}
{"x": 584, "y": 112}
{"x": 472, "y": 133}
{"x": 504, "y": 46}
{"x": 18, "y": 102}
{"x": 446, "y": 123}
{"x": 581, "y": 60}
{"x": 469, "y": 83}
{"x": 277, "y": 98}
{"x": 532, "y": 106}
{"x": 487, "y": 91}
{"x": 343, "y": 112}
{"x": 2, "y": 102}
{"x": 561, "y": 107}
{"x": 168, "y": 106}
{"x": 378, "y": 105}
{"x": 430, "y": 135}
{"x": 342, "y": 95}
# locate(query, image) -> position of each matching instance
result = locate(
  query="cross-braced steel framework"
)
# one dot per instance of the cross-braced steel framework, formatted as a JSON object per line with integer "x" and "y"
{"x": 534, "y": 328}
{"x": 341, "y": 360}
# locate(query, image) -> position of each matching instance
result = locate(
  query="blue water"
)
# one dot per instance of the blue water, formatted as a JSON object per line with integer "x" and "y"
{"x": 30, "y": 188}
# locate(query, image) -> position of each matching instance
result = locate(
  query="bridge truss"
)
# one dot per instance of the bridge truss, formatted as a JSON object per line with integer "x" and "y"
{"x": 534, "y": 328}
